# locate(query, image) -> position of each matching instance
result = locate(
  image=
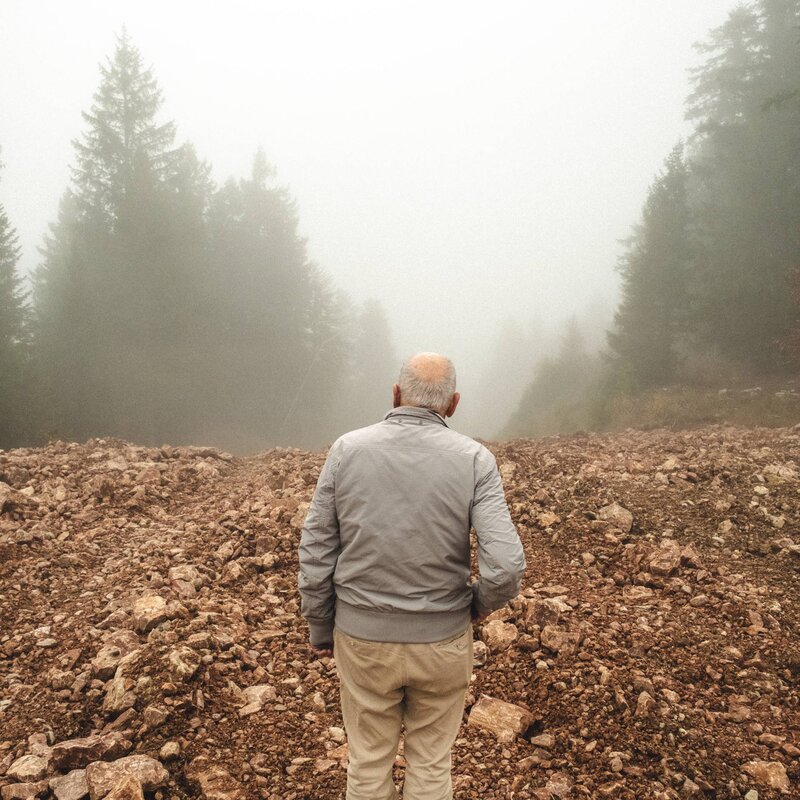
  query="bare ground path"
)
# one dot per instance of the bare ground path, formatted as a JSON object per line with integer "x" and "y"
{"x": 148, "y": 601}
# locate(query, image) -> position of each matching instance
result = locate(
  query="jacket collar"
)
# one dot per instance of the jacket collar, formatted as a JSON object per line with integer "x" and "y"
{"x": 420, "y": 413}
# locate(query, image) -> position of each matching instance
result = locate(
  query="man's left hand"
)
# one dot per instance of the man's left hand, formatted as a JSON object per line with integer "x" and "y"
{"x": 323, "y": 651}
{"x": 477, "y": 617}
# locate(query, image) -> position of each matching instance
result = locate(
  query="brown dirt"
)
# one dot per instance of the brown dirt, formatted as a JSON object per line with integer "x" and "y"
{"x": 711, "y": 634}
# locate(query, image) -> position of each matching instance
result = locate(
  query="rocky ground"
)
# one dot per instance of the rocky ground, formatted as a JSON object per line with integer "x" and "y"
{"x": 150, "y": 639}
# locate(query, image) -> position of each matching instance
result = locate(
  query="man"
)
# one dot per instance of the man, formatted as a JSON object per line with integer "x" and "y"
{"x": 385, "y": 579}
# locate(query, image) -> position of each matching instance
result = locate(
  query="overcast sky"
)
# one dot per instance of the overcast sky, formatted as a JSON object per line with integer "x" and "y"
{"x": 462, "y": 162}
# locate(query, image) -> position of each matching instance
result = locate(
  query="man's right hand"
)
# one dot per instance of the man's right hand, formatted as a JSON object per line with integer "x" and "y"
{"x": 477, "y": 617}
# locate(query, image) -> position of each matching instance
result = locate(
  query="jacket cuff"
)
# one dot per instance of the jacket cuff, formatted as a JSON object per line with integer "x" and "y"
{"x": 320, "y": 632}
{"x": 481, "y": 609}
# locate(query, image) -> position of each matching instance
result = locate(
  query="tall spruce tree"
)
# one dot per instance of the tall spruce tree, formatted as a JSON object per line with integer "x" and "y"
{"x": 278, "y": 352}
{"x": 123, "y": 142}
{"x": 650, "y": 323}
{"x": 117, "y": 285}
{"x": 14, "y": 373}
{"x": 744, "y": 162}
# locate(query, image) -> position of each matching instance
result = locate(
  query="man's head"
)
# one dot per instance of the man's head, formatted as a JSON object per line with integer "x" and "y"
{"x": 428, "y": 380}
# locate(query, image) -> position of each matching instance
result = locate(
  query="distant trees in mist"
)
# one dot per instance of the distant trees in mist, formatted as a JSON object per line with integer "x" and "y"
{"x": 556, "y": 398}
{"x": 709, "y": 269}
{"x": 167, "y": 308}
{"x": 14, "y": 338}
{"x": 711, "y": 273}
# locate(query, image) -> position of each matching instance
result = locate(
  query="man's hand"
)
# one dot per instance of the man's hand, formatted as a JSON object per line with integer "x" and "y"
{"x": 477, "y": 618}
{"x": 323, "y": 651}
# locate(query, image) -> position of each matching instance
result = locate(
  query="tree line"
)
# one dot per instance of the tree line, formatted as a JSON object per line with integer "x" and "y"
{"x": 710, "y": 276}
{"x": 168, "y": 308}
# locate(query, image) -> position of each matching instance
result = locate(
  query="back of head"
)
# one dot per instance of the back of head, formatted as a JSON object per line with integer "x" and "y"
{"x": 428, "y": 380}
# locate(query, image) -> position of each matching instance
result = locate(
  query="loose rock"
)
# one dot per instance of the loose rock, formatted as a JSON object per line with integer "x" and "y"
{"x": 504, "y": 720}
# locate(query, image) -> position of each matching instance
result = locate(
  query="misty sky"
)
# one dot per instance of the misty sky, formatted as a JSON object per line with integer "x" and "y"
{"x": 463, "y": 162}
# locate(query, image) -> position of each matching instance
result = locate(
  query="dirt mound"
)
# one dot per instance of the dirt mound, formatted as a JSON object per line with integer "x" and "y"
{"x": 150, "y": 637}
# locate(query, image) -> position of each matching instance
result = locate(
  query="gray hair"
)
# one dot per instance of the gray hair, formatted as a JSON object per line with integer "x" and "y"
{"x": 421, "y": 390}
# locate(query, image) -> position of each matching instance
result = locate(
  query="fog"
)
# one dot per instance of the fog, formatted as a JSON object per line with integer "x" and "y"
{"x": 471, "y": 166}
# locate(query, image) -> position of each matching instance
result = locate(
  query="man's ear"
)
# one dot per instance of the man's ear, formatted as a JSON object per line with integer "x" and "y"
{"x": 397, "y": 401}
{"x": 451, "y": 409}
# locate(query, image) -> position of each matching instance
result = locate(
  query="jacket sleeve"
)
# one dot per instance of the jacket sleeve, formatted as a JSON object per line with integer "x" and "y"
{"x": 319, "y": 551}
{"x": 501, "y": 560}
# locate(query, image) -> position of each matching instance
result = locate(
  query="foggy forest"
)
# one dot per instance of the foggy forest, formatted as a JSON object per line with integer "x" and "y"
{"x": 168, "y": 307}
{"x": 223, "y": 229}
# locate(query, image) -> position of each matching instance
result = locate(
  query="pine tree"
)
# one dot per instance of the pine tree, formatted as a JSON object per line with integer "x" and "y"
{"x": 723, "y": 85}
{"x": 277, "y": 356}
{"x": 14, "y": 376}
{"x": 744, "y": 161}
{"x": 118, "y": 283}
{"x": 650, "y": 323}
{"x": 122, "y": 136}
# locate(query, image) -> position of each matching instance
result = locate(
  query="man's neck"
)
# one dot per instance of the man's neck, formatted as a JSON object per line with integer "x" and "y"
{"x": 421, "y": 408}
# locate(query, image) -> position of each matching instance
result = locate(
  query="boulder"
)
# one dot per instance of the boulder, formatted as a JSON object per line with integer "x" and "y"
{"x": 184, "y": 662}
{"x": 666, "y": 559}
{"x": 154, "y": 717}
{"x": 103, "y": 776}
{"x": 148, "y": 612}
{"x": 768, "y": 773}
{"x": 72, "y": 786}
{"x": 169, "y": 751}
{"x": 255, "y": 697}
{"x": 547, "y": 519}
{"x": 213, "y": 781}
{"x": 11, "y": 499}
{"x": 233, "y": 572}
{"x": 73, "y": 754}
{"x": 127, "y": 788}
{"x": 559, "y": 786}
{"x": 617, "y": 516}
{"x": 544, "y": 740}
{"x": 637, "y": 594}
{"x": 690, "y": 557}
{"x": 505, "y": 720}
{"x": 644, "y": 704}
{"x": 185, "y": 579}
{"x": 508, "y": 470}
{"x": 29, "y": 769}
{"x": 119, "y": 694}
{"x": 542, "y": 612}
{"x": 116, "y": 646}
{"x": 24, "y": 791}
{"x": 499, "y": 635}
{"x": 560, "y": 641}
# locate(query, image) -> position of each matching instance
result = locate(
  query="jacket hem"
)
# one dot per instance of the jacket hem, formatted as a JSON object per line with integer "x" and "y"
{"x": 399, "y": 626}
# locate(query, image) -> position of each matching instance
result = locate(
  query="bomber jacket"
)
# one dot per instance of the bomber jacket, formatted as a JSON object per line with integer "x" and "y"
{"x": 385, "y": 548}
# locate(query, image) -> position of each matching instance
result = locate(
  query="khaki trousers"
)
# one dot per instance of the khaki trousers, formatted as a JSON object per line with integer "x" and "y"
{"x": 385, "y": 685}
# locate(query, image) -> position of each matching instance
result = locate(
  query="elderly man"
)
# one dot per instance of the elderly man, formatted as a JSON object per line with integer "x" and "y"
{"x": 385, "y": 579}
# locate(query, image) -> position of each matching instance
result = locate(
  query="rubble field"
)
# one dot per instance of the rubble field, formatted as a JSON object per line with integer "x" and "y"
{"x": 151, "y": 643}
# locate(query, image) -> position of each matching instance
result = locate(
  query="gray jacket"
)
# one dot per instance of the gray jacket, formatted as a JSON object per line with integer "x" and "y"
{"x": 385, "y": 549}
